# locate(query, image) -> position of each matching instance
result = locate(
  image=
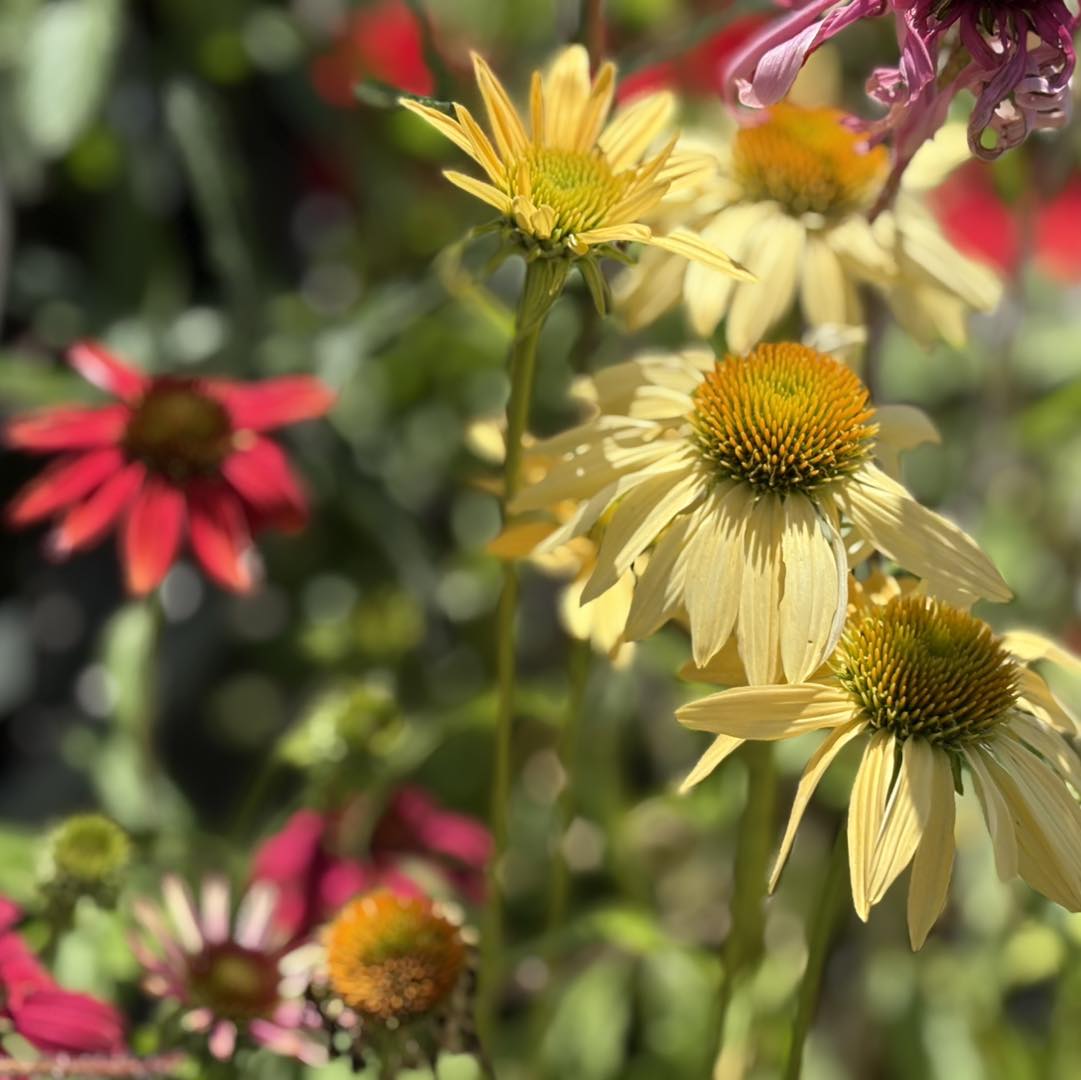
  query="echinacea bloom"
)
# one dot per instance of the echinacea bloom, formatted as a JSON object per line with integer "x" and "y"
{"x": 391, "y": 958}
{"x": 791, "y": 202}
{"x": 574, "y": 182}
{"x": 1017, "y": 59}
{"x": 979, "y": 221}
{"x": 938, "y": 701}
{"x": 600, "y": 621}
{"x": 51, "y": 1019}
{"x": 751, "y": 481}
{"x": 320, "y": 861}
{"x": 172, "y": 455}
{"x": 227, "y": 977}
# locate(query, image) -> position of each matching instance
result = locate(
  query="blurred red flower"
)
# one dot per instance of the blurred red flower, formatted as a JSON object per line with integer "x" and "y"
{"x": 697, "y": 72}
{"x": 310, "y": 862}
{"x": 380, "y": 42}
{"x": 171, "y": 453}
{"x": 52, "y": 1020}
{"x": 980, "y": 222}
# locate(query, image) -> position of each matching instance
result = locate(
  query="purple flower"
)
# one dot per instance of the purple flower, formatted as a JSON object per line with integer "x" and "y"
{"x": 988, "y": 47}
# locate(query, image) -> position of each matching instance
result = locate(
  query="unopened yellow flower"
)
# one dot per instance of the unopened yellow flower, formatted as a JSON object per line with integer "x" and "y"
{"x": 569, "y": 180}
{"x": 600, "y": 621}
{"x": 937, "y": 700}
{"x": 753, "y": 483}
{"x": 791, "y": 203}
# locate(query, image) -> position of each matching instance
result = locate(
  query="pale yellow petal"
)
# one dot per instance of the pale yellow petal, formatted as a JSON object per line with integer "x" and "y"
{"x": 691, "y": 246}
{"x": 816, "y": 768}
{"x": 480, "y": 190}
{"x": 995, "y": 812}
{"x": 900, "y": 428}
{"x": 884, "y": 513}
{"x": 721, "y": 747}
{"x": 1051, "y": 746}
{"x": 1035, "y": 695}
{"x": 536, "y": 108}
{"x": 1031, "y": 645}
{"x": 516, "y": 541}
{"x": 758, "y": 626}
{"x": 815, "y": 597}
{"x": 566, "y": 91}
{"x": 597, "y": 107}
{"x": 866, "y": 809}
{"x": 483, "y": 151}
{"x": 503, "y": 118}
{"x": 639, "y": 518}
{"x": 445, "y": 125}
{"x": 932, "y": 866}
{"x": 658, "y": 595}
{"x": 634, "y": 127}
{"x": 823, "y": 284}
{"x": 864, "y": 249}
{"x": 768, "y": 712}
{"x": 644, "y": 292}
{"x": 613, "y": 234}
{"x": 724, "y": 668}
{"x": 907, "y": 811}
{"x": 774, "y": 253}
{"x": 714, "y": 570}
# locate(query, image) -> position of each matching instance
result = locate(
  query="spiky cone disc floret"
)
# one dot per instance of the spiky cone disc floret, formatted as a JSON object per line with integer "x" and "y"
{"x": 568, "y": 182}
{"x": 749, "y": 482}
{"x": 791, "y": 202}
{"x": 936, "y": 699}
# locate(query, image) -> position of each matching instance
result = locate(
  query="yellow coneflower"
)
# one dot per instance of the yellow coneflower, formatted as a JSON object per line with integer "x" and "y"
{"x": 938, "y": 700}
{"x": 791, "y": 203}
{"x": 600, "y": 621}
{"x": 571, "y": 181}
{"x": 752, "y": 480}
{"x": 393, "y": 958}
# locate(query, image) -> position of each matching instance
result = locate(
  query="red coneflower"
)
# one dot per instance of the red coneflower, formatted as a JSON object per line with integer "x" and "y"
{"x": 173, "y": 454}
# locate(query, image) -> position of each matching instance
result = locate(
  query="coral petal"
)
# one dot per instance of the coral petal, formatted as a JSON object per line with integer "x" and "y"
{"x": 62, "y": 484}
{"x": 152, "y": 534}
{"x": 99, "y": 366}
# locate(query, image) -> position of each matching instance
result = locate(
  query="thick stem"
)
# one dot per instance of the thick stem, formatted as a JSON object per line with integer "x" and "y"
{"x": 578, "y": 664}
{"x": 543, "y": 283}
{"x": 819, "y": 938}
{"x": 744, "y": 944}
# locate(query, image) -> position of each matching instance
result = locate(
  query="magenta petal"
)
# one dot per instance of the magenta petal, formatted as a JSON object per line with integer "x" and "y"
{"x": 90, "y": 520}
{"x": 152, "y": 534}
{"x": 68, "y": 428}
{"x": 99, "y": 366}
{"x": 291, "y": 852}
{"x": 59, "y": 1022}
{"x": 272, "y": 403}
{"x": 10, "y": 914}
{"x": 262, "y": 477}
{"x": 63, "y": 483}
{"x": 220, "y": 536}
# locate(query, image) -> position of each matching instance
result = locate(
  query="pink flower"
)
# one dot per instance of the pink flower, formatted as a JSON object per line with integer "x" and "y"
{"x": 51, "y": 1019}
{"x": 172, "y": 455}
{"x": 226, "y": 975}
{"x": 945, "y": 46}
{"x": 318, "y": 867}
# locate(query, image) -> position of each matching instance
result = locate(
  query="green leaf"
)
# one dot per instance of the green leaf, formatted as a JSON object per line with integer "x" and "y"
{"x": 64, "y": 70}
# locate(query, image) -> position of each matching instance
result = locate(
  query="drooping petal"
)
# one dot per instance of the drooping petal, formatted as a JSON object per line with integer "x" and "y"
{"x": 823, "y": 285}
{"x": 61, "y": 484}
{"x": 480, "y": 190}
{"x": 220, "y": 536}
{"x": 866, "y": 809}
{"x": 68, "y": 428}
{"x": 768, "y": 712}
{"x": 87, "y": 522}
{"x": 933, "y": 862}
{"x": 907, "y": 812}
{"x": 271, "y": 403}
{"x": 816, "y": 768}
{"x": 107, "y": 372}
{"x": 758, "y": 625}
{"x": 900, "y": 428}
{"x": 1030, "y": 646}
{"x": 996, "y": 814}
{"x": 720, "y": 749}
{"x": 152, "y": 534}
{"x": 815, "y": 590}
{"x": 263, "y": 479}
{"x": 691, "y": 246}
{"x": 659, "y": 592}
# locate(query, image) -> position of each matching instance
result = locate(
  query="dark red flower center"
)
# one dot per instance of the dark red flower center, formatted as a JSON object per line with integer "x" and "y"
{"x": 178, "y": 431}
{"x": 234, "y": 982}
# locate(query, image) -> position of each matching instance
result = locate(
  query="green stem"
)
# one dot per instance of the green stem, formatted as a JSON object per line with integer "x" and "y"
{"x": 744, "y": 945}
{"x": 579, "y": 663}
{"x": 819, "y": 937}
{"x": 543, "y": 283}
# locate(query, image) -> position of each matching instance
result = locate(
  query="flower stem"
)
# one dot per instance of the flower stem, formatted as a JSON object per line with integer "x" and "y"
{"x": 163, "y": 1065}
{"x": 578, "y": 663}
{"x": 543, "y": 283}
{"x": 819, "y": 937}
{"x": 744, "y": 944}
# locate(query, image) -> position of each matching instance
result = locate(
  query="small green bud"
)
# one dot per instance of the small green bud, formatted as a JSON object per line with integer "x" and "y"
{"x": 87, "y": 856}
